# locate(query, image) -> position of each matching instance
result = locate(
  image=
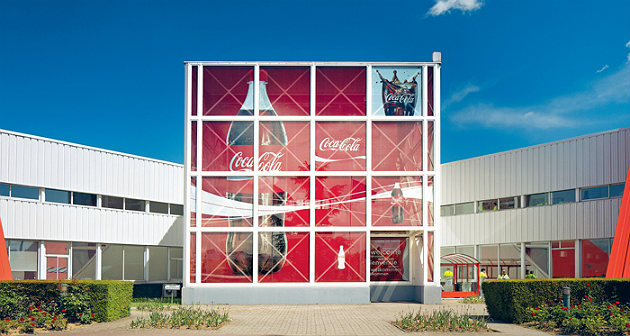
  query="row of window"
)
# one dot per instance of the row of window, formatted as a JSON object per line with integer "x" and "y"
{"x": 78, "y": 198}
{"x": 533, "y": 200}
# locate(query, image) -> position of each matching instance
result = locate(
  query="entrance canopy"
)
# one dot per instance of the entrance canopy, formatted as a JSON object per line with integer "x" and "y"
{"x": 461, "y": 276}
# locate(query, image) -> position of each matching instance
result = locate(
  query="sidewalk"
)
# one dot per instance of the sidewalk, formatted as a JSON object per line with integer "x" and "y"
{"x": 372, "y": 319}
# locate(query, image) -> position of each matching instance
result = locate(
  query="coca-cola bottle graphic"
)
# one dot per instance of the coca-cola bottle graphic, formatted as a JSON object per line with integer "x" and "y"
{"x": 399, "y": 98}
{"x": 397, "y": 205}
{"x": 272, "y": 246}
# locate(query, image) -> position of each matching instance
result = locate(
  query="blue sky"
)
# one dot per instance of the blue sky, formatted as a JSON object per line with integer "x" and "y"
{"x": 110, "y": 74}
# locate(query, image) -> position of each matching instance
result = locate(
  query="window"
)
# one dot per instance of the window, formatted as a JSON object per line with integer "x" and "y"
{"x": 23, "y": 259}
{"x": 112, "y": 202}
{"x": 447, "y": 210}
{"x": 158, "y": 207}
{"x": 465, "y": 208}
{"x": 83, "y": 260}
{"x": 508, "y": 203}
{"x": 134, "y": 204}
{"x": 84, "y": 199}
{"x": 564, "y": 196}
{"x": 489, "y": 205}
{"x": 616, "y": 190}
{"x": 537, "y": 200}
{"x": 177, "y": 209}
{"x": 4, "y": 189}
{"x": 594, "y": 193}
{"x": 24, "y": 192}
{"x": 57, "y": 196}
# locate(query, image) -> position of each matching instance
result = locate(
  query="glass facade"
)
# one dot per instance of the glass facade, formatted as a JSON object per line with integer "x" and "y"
{"x": 293, "y": 182}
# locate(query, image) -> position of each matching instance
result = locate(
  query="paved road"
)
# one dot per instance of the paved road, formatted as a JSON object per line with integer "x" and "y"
{"x": 372, "y": 319}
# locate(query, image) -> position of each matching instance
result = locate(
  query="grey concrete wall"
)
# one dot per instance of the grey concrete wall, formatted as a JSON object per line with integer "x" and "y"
{"x": 276, "y": 295}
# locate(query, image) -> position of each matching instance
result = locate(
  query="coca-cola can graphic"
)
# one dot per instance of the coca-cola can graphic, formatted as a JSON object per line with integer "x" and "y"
{"x": 399, "y": 97}
{"x": 272, "y": 246}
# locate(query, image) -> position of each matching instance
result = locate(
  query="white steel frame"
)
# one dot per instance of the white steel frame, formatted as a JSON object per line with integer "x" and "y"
{"x": 413, "y": 231}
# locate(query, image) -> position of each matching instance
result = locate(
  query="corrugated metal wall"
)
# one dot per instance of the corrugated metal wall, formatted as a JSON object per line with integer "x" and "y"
{"x": 47, "y": 163}
{"x": 39, "y": 162}
{"x": 591, "y": 160}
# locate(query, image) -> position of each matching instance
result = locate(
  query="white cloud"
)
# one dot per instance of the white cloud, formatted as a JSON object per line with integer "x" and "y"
{"x": 461, "y": 94}
{"x": 603, "y": 68}
{"x": 570, "y": 110}
{"x": 445, "y": 6}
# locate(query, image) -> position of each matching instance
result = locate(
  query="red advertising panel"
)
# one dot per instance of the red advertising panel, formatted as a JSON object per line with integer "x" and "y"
{"x": 283, "y": 256}
{"x": 429, "y": 199}
{"x": 397, "y": 146}
{"x": 193, "y": 202}
{"x": 193, "y": 145}
{"x": 225, "y": 89}
{"x": 397, "y": 201}
{"x": 284, "y": 146}
{"x": 430, "y": 255}
{"x": 340, "y": 91}
{"x": 389, "y": 257}
{"x": 227, "y": 202}
{"x": 339, "y": 257}
{"x": 193, "y": 256}
{"x": 193, "y": 90}
{"x": 430, "y": 146}
{"x": 340, "y": 146}
{"x": 340, "y": 201}
{"x": 430, "y": 90}
{"x": 226, "y": 257}
{"x": 283, "y": 201}
{"x": 287, "y": 89}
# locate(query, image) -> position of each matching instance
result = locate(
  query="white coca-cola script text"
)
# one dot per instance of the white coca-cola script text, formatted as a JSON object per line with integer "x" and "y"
{"x": 401, "y": 98}
{"x": 268, "y": 161}
{"x": 345, "y": 145}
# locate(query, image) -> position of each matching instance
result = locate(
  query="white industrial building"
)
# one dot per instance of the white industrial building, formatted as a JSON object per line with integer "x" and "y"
{"x": 72, "y": 211}
{"x": 551, "y": 208}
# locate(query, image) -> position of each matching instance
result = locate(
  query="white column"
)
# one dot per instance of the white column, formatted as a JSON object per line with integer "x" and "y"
{"x": 523, "y": 257}
{"x": 578, "y": 258}
{"x": 146, "y": 263}
{"x": 99, "y": 261}
{"x": 41, "y": 272}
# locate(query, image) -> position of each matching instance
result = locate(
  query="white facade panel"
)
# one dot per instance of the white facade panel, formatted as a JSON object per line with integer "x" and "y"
{"x": 34, "y": 161}
{"x": 46, "y": 221}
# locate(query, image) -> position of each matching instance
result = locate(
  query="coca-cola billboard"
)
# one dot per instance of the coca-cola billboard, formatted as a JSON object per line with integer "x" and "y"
{"x": 397, "y": 91}
{"x": 304, "y": 144}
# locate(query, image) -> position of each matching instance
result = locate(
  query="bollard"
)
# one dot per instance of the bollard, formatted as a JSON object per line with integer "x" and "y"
{"x": 566, "y": 296}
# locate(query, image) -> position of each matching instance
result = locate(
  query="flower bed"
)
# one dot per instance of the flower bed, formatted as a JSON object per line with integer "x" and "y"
{"x": 184, "y": 318}
{"x": 589, "y": 317}
{"x": 444, "y": 320}
{"x": 45, "y": 316}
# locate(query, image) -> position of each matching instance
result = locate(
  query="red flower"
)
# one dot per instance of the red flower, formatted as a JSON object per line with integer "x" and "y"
{"x": 533, "y": 314}
{"x": 32, "y": 324}
{"x": 559, "y": 297}
{"x": 590, "y": 299}
{"x": 579, "y": 307}
{"x": 8, "y": 319}
{"x": 627, "y": 325}
{"x": 572, "y": 306}
{"x": 569, "y": 318}
{"x": 616, "y": 302}
{"x": 54, "y": 317}
{"x": 611, "y": 314}
{"x": 586, "y": 296}
{"x": 30, "y": 316}
{"x": 81, "y": 314}
{"x": 44, "y": 313}
{"x": 92, "y": 315}
{"x": 536, "y": 308}
{"x": 21, "y": 319}
{"x": 564, "y": 308}
{"x": 621, "y": 308}
{"x": 63, "y": 310}
{"x": 30, "y": 308}
{"x": 52, "y": 321}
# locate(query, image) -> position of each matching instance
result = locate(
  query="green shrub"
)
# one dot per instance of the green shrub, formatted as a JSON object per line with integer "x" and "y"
{"x": 508, "y": 300}
{"x": 83, "y": 301}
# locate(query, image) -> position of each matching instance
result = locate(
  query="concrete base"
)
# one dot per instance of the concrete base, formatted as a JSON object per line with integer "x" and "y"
{"x": 276, "y": 295}
{"x": 393, "y": 293}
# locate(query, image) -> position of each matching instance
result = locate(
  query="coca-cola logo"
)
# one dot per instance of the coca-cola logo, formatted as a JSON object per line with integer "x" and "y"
{"x": 404, "y": 98}
{"x": 268, "y": 161}
{"x": 398, "y": 201}
{"x": 346, "y": 145}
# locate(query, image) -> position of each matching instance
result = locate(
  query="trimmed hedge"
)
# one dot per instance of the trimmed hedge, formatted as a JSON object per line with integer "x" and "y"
{"x": 508, "y": 300}
{"x": 108, "y": 300}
